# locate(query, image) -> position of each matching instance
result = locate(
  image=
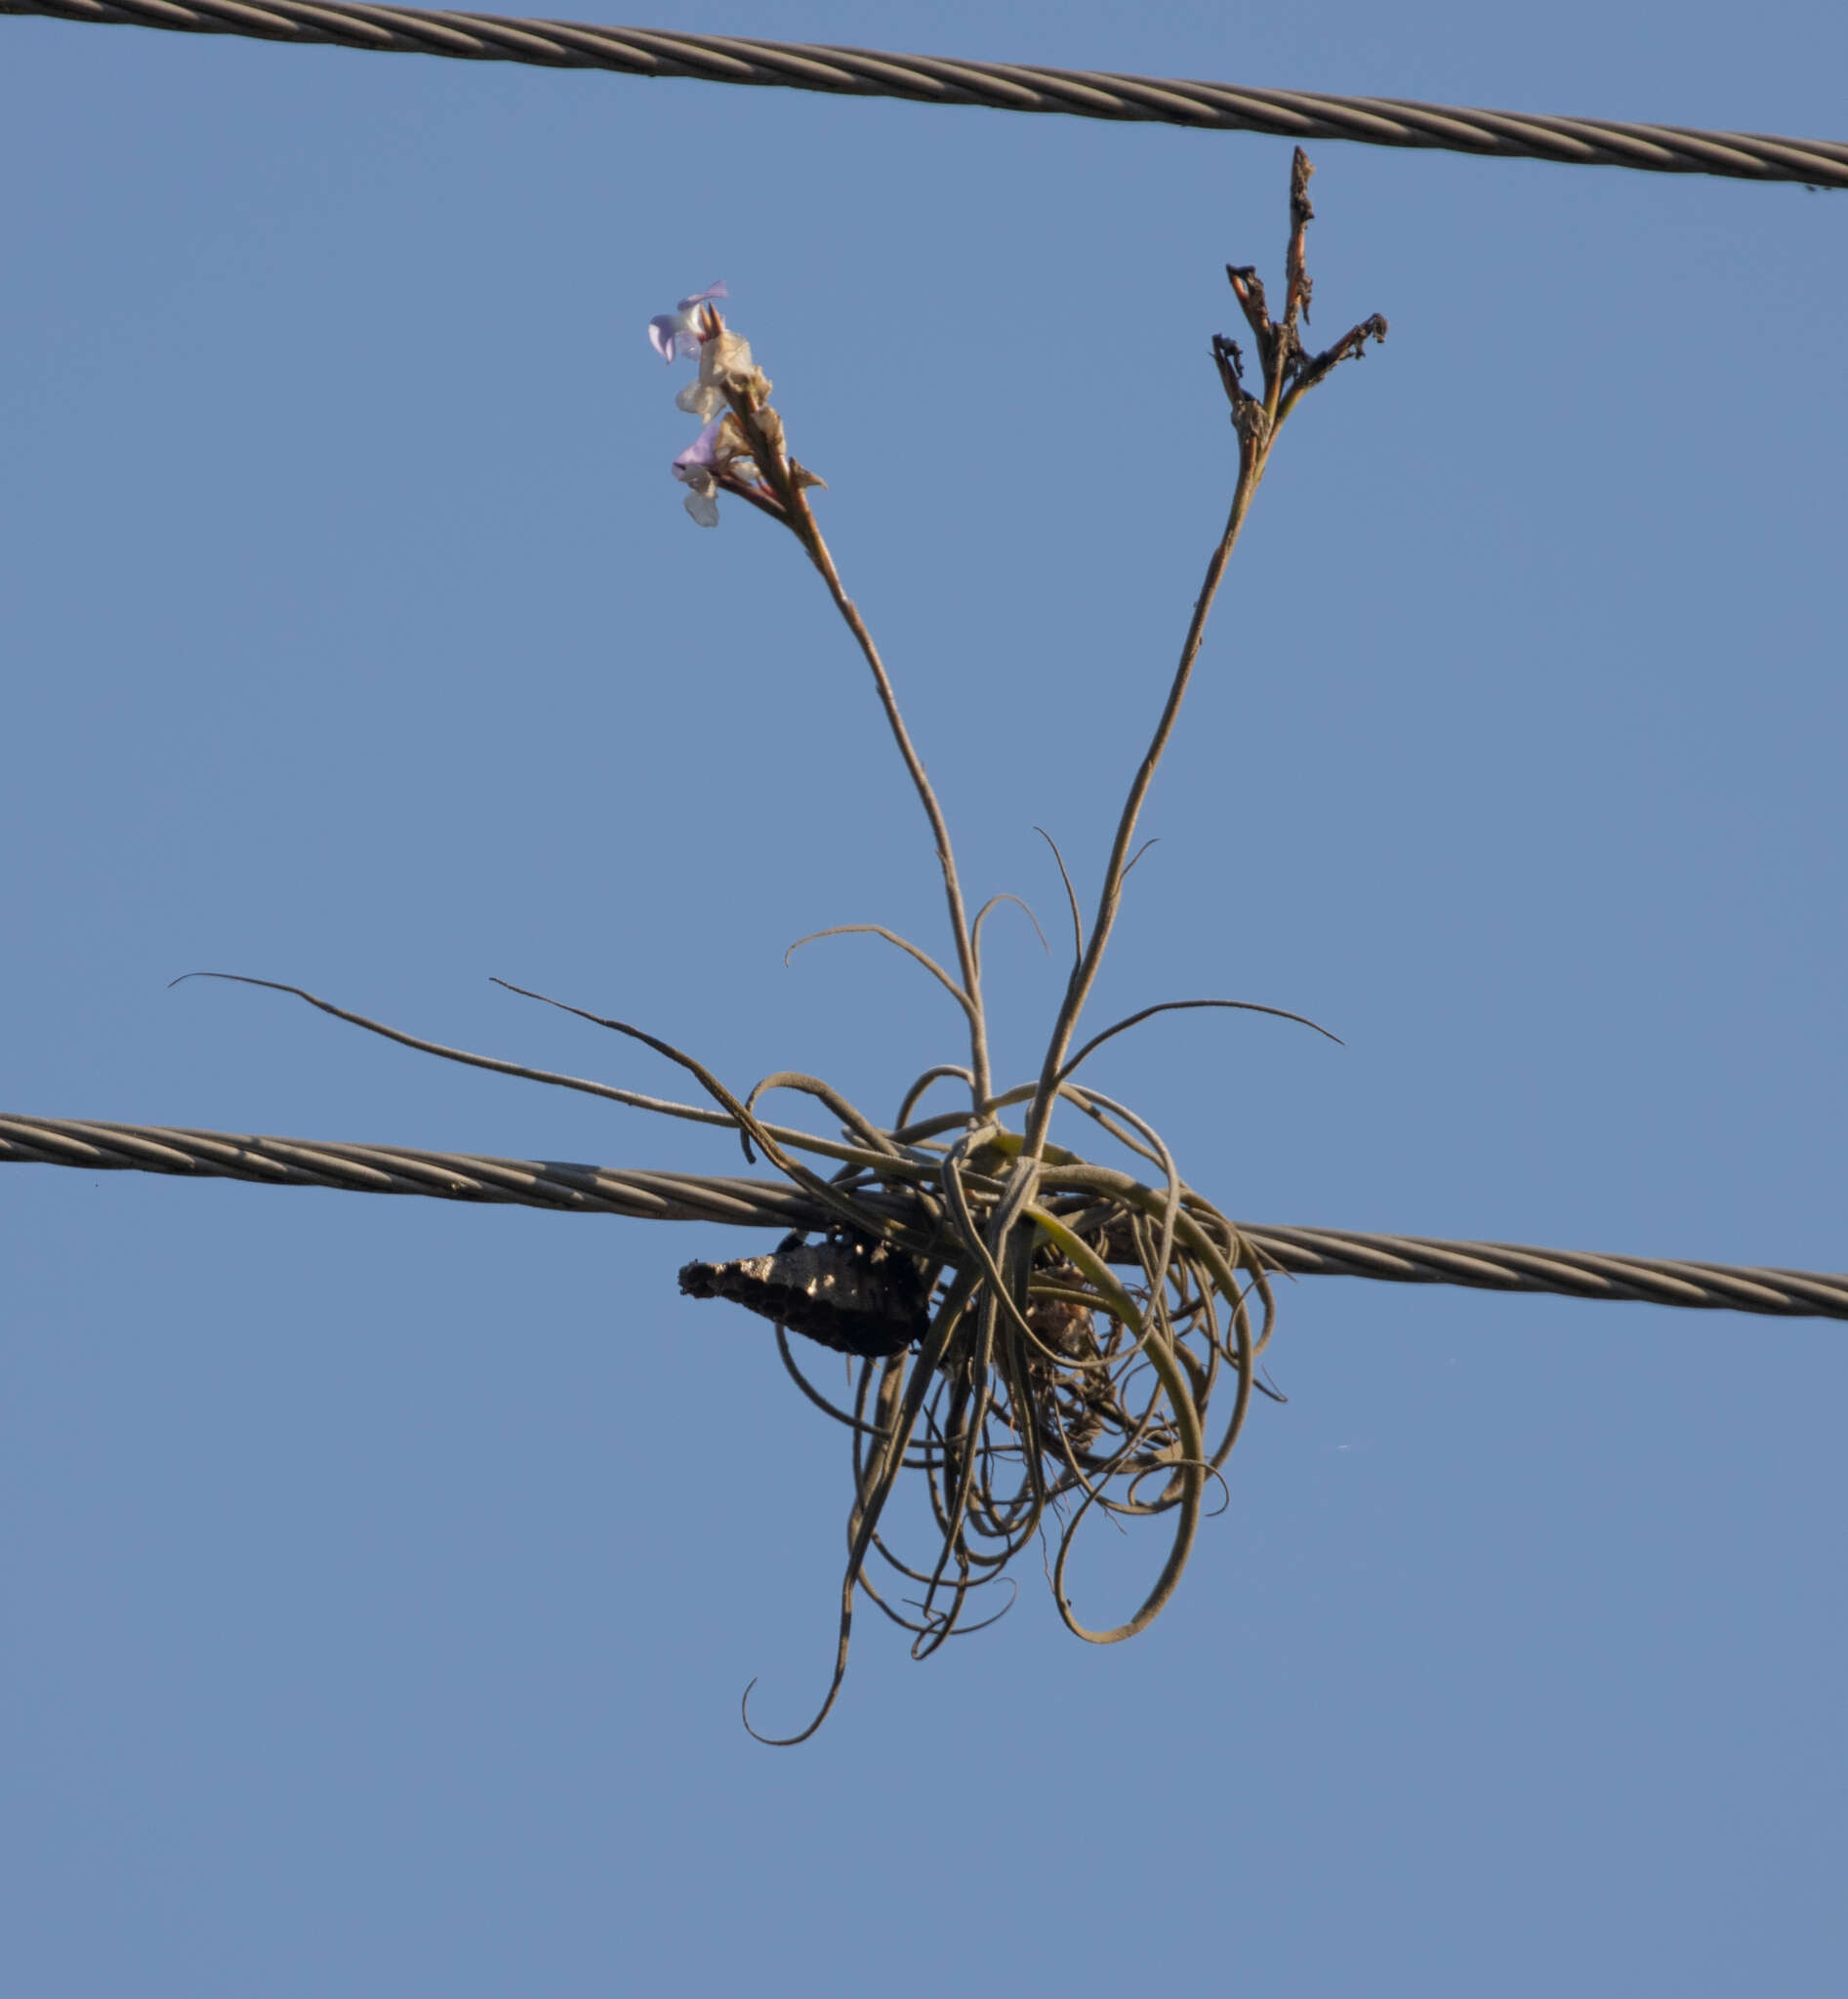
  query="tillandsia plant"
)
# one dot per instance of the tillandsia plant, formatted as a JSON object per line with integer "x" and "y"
{"x": 1035, "y": 1336}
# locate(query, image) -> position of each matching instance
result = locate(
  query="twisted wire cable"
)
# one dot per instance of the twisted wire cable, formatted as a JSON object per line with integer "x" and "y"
{"x": 747, "y": 1202}
{"x": 994, "y": 86}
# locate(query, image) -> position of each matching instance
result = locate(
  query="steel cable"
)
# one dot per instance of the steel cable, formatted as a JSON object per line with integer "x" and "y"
{"x": 996, "y": 86}
{"x": 748, "y": 1203}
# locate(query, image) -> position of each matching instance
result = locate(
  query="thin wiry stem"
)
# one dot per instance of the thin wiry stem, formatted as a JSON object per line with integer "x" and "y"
{"x": 1187, "y": 1006}
{"x": 802, "y": 520}
{"x": 1110, "y": 897}
{"x": 905, "y": 945}
{"x": 993, "y": 903}
{"x": 1071, "y": 894}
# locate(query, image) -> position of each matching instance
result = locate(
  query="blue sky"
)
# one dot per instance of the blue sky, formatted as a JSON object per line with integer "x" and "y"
{"x": 383, "y": 1576}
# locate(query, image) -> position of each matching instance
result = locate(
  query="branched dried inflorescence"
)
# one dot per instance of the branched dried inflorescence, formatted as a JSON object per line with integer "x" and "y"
{"x": 1034, "y": 1337}
{"x": 1289, "y": 369}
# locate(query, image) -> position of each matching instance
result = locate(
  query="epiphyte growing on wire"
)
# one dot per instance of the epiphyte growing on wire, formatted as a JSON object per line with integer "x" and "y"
{"x": 1040, "y": 1385}
{"x": 1035, "y": 1336}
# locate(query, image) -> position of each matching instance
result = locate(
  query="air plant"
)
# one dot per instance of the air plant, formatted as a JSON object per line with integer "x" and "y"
{"x": 1040, "y": 1337}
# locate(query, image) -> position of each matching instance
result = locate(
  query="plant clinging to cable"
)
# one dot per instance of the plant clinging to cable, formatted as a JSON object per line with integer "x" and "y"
{"x": 1037, "y": 1337}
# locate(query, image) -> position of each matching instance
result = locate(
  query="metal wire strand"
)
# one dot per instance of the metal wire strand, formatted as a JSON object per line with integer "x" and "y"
{"x": 762, "y": 1203}
{"x": 994, "y": 86}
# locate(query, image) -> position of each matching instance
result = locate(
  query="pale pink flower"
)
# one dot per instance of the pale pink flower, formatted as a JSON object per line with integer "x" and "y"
{"x": 719, "y": 448}
{"x": 675, "y": 335}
